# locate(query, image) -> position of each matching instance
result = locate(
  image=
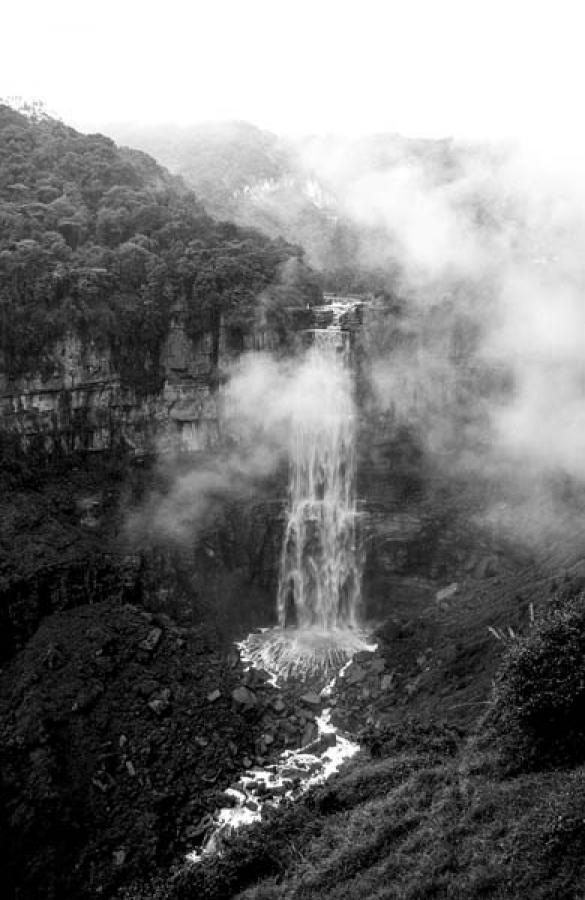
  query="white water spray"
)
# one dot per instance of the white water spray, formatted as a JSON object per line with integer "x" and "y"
{"x": 319, "y": 585}
{"x": 319, "y": 588}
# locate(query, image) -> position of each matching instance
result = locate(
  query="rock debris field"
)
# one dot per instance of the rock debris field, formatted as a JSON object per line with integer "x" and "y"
{"x": 125, "y": 735}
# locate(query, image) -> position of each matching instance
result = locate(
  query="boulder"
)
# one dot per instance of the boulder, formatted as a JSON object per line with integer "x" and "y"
{"x": 378, "y": 666}
{"x": 244, "y": 698}
{"x": 387, "y": 683}
{"x": 363, "y": 656}
{"x": 161, "y": 702}
{"x": 309, "y": 734}
{"x": 327, "y": 740}
{"x": 447, "y": 592}
{"x": 151, "y": 640}
{"x": 355, "y": 674}
{"x": 311, "y": 699}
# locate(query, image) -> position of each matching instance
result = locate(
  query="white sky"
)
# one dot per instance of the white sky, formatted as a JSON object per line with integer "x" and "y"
{"x": 470, "y": 68}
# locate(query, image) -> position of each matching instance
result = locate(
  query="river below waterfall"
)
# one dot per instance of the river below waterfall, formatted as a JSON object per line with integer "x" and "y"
{"x": 318, "y": 598}
{"x": 325, "y": 746}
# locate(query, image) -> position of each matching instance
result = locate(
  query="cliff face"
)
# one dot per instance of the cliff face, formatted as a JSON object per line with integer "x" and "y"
{"x": 84, "y": 404}
{"x": 120, "y": 297}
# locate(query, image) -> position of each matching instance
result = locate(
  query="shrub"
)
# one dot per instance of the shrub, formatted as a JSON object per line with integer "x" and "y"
{"x": 538, "y": 710}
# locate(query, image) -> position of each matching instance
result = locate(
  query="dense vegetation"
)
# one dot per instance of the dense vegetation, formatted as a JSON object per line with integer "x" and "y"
{"x": 539, "y": 703}
{"x": 103, "y": 242}
{"x": 259, "y": 179}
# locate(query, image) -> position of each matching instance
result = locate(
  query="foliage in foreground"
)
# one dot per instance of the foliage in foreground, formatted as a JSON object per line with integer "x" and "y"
{"x": 402, "y": 828}
{"x": 538, "y": 712}
{"x": 423, "y": 813}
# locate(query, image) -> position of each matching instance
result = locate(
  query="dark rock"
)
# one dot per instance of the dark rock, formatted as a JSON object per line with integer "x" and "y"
{"x": 447, "y": 592}
{"x": 309, "y": 734}
{"x": 211, "y": 778}
{"x": 146, "y": 687}
{"x": 161, "y": 702}
{"x": 202, "y": 826}
{"x": 151, "y": 640}
{"x": 412, "y": 686}
{"x": 101, "y": 784}
{"x": 363, "y": 656}
{"x": 86, "y": 697}
{"x": 378, "y": 666}
{"x": 54, "y": 657}
{"x": 355, "y": 674}
{"x": 233, "y": 658}
{"x": 244, "y": 698}
{"x": 487, "y": 567}
{"x": 387, "y": 683}
{"x": 327, "y": 740}
{"x": 257, "y": 676}
{"x": 311, "y": 699}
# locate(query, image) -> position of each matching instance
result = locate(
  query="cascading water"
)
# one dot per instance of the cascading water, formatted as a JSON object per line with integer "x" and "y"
{"x": 319, "y": 585}
{"x": 319, "y": 581}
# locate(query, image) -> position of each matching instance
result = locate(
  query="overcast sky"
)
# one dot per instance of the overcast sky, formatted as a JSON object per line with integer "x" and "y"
{"x": 469, "y": 68}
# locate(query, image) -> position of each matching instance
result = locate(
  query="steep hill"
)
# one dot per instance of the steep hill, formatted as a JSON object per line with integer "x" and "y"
{"x": 102, "y": 242}
{"x": 311, "y": 190}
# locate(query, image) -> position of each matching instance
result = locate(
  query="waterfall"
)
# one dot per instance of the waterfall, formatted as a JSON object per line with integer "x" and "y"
{"x": 319, "y": 583}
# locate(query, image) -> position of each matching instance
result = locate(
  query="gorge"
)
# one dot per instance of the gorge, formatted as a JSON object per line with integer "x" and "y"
{"x": 260, "y": 562}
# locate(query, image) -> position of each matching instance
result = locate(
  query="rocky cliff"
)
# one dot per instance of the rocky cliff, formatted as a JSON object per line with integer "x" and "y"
{"x": 84, "y": 404}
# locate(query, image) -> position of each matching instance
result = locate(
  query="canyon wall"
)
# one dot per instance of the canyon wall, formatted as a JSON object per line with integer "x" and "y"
{"x": 84, "y": 404}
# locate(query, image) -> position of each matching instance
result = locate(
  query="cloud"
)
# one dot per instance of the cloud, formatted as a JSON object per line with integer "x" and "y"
{"x": 267, "y": 403}
{"x": 486, "y": 363}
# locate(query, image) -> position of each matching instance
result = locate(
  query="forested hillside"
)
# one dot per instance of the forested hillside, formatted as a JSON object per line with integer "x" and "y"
{"x": 325, "y": 192}
{"x": 102, "y": 241}
{"x": 259, "y": 179}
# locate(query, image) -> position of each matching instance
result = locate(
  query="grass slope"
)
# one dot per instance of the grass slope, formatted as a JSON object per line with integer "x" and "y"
{"x": 432, "y": 807}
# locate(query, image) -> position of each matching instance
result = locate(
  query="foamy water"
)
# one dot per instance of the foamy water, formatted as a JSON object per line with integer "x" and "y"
{"x": 291, "y": 775}
{"x": 320, "y": 577}
{"x": 319, "y": 587}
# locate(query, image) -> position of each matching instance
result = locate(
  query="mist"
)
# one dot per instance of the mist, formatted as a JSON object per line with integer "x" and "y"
{"x": 487, "y": 363}
{"x": 265, "y": 402}
{"x": 481, "y": 245}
